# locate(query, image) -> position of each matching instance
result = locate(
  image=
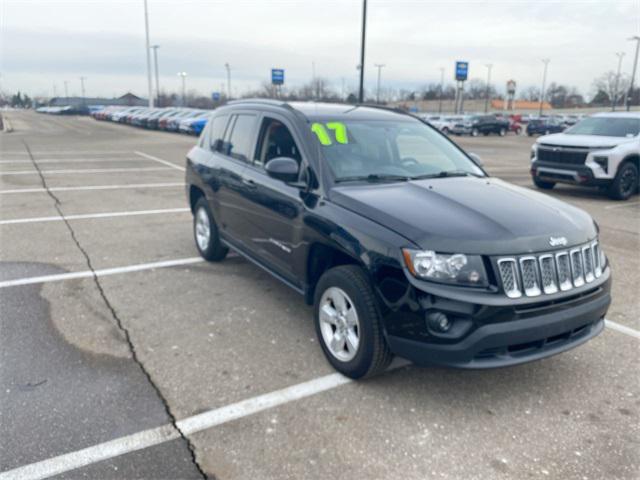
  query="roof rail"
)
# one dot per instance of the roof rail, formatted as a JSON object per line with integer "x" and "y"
{"x": 264, "y": 101}
{"x": 389, "y": 109}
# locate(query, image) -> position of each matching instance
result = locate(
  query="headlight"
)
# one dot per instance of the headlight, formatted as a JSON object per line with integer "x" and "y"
{"x": 455, "y": 268}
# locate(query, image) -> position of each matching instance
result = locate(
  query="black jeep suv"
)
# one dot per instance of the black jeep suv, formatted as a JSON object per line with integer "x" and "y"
{"x": 399, "y": 239}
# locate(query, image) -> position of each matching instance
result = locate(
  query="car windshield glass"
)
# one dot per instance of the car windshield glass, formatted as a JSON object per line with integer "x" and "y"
{"x": 388, "y": 151}
{"x": 606, "y": 126}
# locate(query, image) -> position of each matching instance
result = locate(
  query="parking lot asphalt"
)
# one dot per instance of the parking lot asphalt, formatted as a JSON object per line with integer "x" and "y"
{"x": 103, "y": 350}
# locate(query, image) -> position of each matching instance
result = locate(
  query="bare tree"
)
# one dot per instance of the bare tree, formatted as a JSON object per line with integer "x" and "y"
{"x": 607, "y": 82}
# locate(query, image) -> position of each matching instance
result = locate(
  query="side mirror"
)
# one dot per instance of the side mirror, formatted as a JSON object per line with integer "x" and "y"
{"x": 477, "y": 160}
{"x": 283, "y": 168}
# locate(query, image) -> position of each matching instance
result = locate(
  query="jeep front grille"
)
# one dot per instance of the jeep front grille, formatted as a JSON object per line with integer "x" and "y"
{"x": 548, "y": 273}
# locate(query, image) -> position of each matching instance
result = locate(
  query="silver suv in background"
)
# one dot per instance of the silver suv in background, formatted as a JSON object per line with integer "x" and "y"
{"x": 602, "y": 150}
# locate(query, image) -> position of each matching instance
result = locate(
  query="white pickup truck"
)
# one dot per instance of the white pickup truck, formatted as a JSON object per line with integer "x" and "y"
{"x": 602, "y": 150}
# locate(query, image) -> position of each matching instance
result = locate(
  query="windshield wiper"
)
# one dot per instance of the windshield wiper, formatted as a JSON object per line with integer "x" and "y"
{"x": 446, "y": 174}
{"x": 373, "y": 178}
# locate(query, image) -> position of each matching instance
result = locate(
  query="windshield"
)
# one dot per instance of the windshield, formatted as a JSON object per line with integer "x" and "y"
{"x": 606, "y": 126}
{"x": 383, "y": 150}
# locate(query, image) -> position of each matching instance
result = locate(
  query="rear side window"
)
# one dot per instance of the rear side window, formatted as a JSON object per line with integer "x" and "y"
{"x": 218, "y": 126}
{"x": 241, "y": 139}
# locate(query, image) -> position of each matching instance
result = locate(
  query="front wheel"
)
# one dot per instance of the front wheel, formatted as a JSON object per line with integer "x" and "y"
{"x": 348, "y": 323}
{"x": 205, "y": 232}
{"x": 626, "y": 182}
{"x": 502, "y": 132}
{"x": 474, "y": 132}
{"x": 445, "y": 130}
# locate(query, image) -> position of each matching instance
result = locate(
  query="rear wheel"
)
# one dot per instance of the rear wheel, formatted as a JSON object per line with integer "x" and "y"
{"x": 502, "y": 132}
{"x": 348, "y": 323}
{"x": 445, "y": 130}
{"x": 474, "y": 132}
{"x": 205, "y": 233}
{"x": 626, "y": 182}
{"x": 542, "y": 184}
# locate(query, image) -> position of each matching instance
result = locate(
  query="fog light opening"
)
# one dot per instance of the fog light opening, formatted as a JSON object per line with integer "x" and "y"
{"x": 438, "y": 322}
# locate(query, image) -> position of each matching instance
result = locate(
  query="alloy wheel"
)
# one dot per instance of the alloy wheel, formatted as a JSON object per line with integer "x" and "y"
{"x": 203, "y": 229}
{"x": 339, "y": 324}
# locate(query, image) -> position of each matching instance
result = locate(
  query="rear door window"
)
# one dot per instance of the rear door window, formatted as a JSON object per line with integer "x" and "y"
{"x": 242, "y": 137}
{"x": 218, "y": 127}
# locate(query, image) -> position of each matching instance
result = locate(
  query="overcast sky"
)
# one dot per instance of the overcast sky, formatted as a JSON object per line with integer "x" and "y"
{"x": 43, "y": 43}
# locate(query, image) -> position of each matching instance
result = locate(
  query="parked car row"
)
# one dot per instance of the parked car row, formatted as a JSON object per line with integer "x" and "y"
{"x": 500, "y": 123}
{"x": 172, "y": 119}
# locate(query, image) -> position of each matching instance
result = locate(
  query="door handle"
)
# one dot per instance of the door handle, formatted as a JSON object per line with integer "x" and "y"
{"x": 247, "y": 182}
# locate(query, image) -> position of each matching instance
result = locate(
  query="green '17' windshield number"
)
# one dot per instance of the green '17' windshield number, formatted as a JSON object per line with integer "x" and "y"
{"x": 339, "y": 130}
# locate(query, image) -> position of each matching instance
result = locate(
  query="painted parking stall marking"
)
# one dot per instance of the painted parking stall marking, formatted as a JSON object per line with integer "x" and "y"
{"x": 100, "y": 273}
{"x": 87, "y": 170}
{"x": 159, "y": 160}
{"x": 94, "y": 187}
{"x": 86, "y": 216}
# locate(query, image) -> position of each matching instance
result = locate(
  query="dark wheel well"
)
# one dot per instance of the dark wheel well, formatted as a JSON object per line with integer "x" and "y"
{"x": 321, "y": 258}
{"x": 635, "y": 159}
{"x": 194, "y": 195}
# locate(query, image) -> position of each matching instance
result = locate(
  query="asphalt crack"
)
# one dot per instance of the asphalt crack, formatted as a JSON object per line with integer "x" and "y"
{"x": 124, "y": 330}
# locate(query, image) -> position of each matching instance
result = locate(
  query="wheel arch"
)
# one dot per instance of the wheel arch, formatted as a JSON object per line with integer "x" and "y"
{"x": 322, "y": 257}
{"x": 195, "y": 193}
{"x": 633, "y": 158}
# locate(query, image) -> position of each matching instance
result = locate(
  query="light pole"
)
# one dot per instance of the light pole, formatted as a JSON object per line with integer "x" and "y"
{"x": 184, "y": 87}
{"x": 146, "y": 32}
{"x": 441, "y": 90}
{"x": 155, "y": 63}
{"x": 614, "y": 97}
{"x": 364, "y": 34}
{"x": 82, "y": 79}
{"x": 379, "y": 66}
{"x": 228, "y": 67}
{"x": 633, "y": 73}
{"x": 486, "y": 96}
{"x": 544, "y": 83}
{"x": 66, "y": 88}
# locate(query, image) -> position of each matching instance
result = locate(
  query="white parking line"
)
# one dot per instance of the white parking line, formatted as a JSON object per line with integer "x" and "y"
{"x": 190, "y": 425}
{"x": 156, "y": 159}
{"x": 86, "y": 170}
{"x": 71, "y": 160}
{"x": 63, "y": 152}
{"x": 620, "y": 205}
{"x": 99, "y": 273}
{"x": 94, "y": 187}
{"x": 622, "y": 329}
{"x": 93, "y": 215}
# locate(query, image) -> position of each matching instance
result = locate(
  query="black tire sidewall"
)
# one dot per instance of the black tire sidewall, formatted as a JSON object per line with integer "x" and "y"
{"x": 367, "y": 314}
{"x": 615, "y": 190}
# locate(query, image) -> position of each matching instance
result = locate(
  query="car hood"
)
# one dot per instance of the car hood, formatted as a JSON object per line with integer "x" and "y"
{"x": 591, "y": 141}
{"x": 468, "y": 215}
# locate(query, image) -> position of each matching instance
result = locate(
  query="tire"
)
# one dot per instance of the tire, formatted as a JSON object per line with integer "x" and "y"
{"x": 445, "y": 130}
{"x": 547, "y": 132}
{"x": 371, "y": 354}
{"x": 626, "y": 182}
{"x": 542, "y": 184}
{"x": 502, "y": 132}
{"x": 518, "y": 131}
{"x": 205, "y": 233}
{"x": 474, "y": 132}
{"x": 529, "y": 133}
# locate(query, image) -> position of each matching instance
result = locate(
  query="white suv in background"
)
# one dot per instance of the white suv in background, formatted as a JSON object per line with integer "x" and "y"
{"x": 602, "y": 150}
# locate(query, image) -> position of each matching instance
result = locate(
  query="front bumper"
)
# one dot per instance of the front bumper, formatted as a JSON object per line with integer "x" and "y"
{"x": 571, "y": 174}
{"x": 498, "y": 335}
